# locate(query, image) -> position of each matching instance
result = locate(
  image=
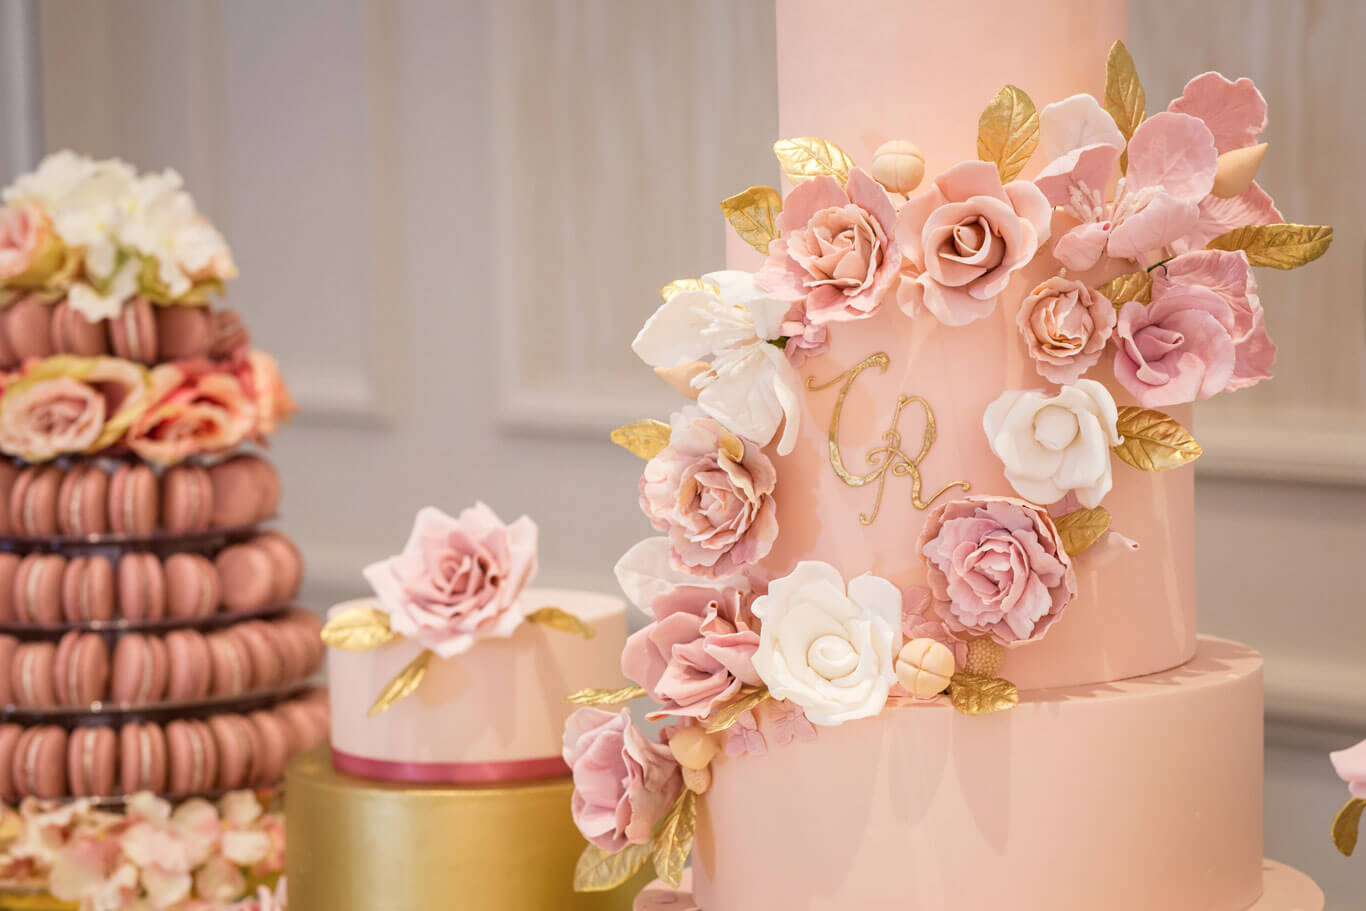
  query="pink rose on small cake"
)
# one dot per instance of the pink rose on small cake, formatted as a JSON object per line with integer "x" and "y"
{"x": 196, "y": 408}
{"x": 624, "y": 784}
{"x": 835, "y": 252}
{"x": 963, "y": 238}
{"x": 996, "y": 567}
{"x": 712, "y": 491}
{"x": 458, "y": 580}
{"x": 1065, "y": 325}
{"x": 29, "y": 249}
{"x": 67, "y": 404}
{"x": 1350, "y": 764}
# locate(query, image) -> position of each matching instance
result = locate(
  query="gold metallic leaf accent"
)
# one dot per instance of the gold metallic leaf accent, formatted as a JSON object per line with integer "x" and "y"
{"x": 1008, "y": 132}
{"x": 754, "y": 214}
{"x": 402, "y": 685}
{"x": 974, "y": 695}
{"x": 1131, "y": 286}
{"x": 358, "y": 629}
{"x": 726, "y": 716}
{"x": 558, "y": 618}
{"x": 598, "y": 871}
{"x": 1081, "y": 528}
{"x": 807, "y": 157}
{"x": 1346, "y": 825}
{"x": 1154, "y": 441}
{"x": 1124, "y": 97}
{"x": 606, "y": 697}
{"x": 684, "y": 284}
{"x": 1277, "y": 246}
{"x": 673, "y": 841}
{"x": 645, "y": 438}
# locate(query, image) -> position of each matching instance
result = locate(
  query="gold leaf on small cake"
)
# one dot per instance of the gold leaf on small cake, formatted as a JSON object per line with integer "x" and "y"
{"x": 358, "y": 629}
{"x": 807, "y": 157}
{"x": 1277, "y": 246}
{"x": 1081, "y": 528}
{"x": 754, "y": 214}
{"x": 1008, "y": 132}
{"x": 598, "y": 871}
{"x": 673, "y": 841}
{"x": 1131, "y": 286}
{"x": 645, "y": 438}
{"x": 974, "y": 695}
{"x": 1124, "y": 97}
{"x": 606, "y": 697}
{"x": 727, "y": 716}
{"x": 558, "y": 618}
{"x": 1347, "y": 824}
{"x": 684, "y": 284}
{"x": 1154, "y": 441}
{"x": 404, "y": 684}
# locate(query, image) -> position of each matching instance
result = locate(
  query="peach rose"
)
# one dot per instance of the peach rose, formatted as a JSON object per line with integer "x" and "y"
{"x": 196, "y": 408}
{"x": 29, "y": 249}
{"x": 51, "y": 417}
{"x": 1065, "y": 325}
{"x": 260, "y": 376}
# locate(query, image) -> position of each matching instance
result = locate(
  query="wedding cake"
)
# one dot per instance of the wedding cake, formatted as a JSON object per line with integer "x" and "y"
{"x": 921, "y": 612}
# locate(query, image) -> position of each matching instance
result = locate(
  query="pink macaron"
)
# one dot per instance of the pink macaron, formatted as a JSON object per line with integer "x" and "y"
{"x": 33, "y": 501}
{"x": 72, "y": 333}
{"x": 267, "y": 668}
{"x": 245, "y": 490}
{"x": 293, "y": 651}
{"x": 186, "y": 496}
{"x": 233, "y": 739}
{"x": 192, "y": 757}
{"x": 184, "y": 332}
{"x": 9, "y": 647}
{"x": 81, "y": 669}
{"x": 9, "y": 473}
{"x": 301, "y": 723}
{"x": 274, "y": 748}
{"x": 9, "y": 743}
{"x": 247, "y": 574}
{"x": 83, "y": 501}
{"x": 26, "y": 325}
{"x": 133, "y": 332}
{"x": 142, "y": 758}
{"x": 231, "y": 664}
{"x": 9, "y": 568}
{"x": 141, "y": 670}
{"x": 32, "y": 675}
{"x": 88, "y": 589}
{"x": 190, "y": 668}
{"x": 141, "y": 587}
{"x": 133, "y": 506}
{"x": 39, "y": 765}
{"x": 91, "y": 754}
{"x": 312, "y": 626}
{"x": 192, "y": 586}
{"x": 286, "y": 564}
{"x": 38, "y": 589}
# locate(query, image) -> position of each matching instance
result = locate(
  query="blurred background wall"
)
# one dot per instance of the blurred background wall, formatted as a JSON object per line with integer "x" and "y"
{"x": 451, "y": 218}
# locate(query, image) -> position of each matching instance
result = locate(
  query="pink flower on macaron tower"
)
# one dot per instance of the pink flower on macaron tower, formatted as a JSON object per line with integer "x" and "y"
{"x": 30, "y": 250}
{"x": 458, "y": 579}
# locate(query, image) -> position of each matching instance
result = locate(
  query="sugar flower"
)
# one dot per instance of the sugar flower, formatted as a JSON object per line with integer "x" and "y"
{"x": 1065, "y": 325}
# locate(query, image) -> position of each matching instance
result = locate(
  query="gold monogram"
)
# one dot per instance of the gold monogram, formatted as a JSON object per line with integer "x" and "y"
{"x": 888, "y": 458}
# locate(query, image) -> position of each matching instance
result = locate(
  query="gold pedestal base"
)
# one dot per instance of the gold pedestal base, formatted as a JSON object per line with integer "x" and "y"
{"x": 360, "y": 845}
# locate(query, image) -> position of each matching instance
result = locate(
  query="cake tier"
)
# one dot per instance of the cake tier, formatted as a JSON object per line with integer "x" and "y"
{"x": 1140, "y": 794}
{"x": 495, "y": 712}
{"x": 359, "y": 845}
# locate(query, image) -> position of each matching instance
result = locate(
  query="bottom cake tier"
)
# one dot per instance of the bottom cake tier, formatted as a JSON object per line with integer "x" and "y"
{"x": 362, "y": 845}
{"x": 1129, "y": 796}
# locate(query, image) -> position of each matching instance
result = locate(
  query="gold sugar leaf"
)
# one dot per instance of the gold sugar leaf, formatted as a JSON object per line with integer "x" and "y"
{"x": 1124, "y": 97}
{"x": 1277, "y": 246}
{"x": 402, "y": 685}
{"x": 358, "y": 629}
{"x": 560, "y": 619}
{"x": 1346, "y": 825}
{"x": 645, "y": 438}
{"x": 598, "y": 871}
{"x": 753, "y": 214}
{"x": 729, "y": 714}
{"x": 673, "y": 841}
{"x": 1154, "y": 441}
{"x": 684, "y": 284}
{"x": 1008, "y": 132}
{"x": 807, "y": 157}
{"x": 974, "y": 695}
{"x": 606, "y": 697}
{"x": 1081, "y": 528}
{"x": 1131, "y": 286}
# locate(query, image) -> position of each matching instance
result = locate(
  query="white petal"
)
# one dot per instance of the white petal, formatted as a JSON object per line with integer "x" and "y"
{"x": 676, "y": 333}
{"x": 645, "y": 572}
{"x": 1075, "y": 122}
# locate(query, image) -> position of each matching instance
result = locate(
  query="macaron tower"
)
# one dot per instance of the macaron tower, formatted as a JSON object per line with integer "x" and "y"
{"x": 155, "y": 673}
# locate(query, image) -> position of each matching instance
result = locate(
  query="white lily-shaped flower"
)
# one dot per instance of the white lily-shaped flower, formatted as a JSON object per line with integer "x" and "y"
{"x": 750, "y": 387}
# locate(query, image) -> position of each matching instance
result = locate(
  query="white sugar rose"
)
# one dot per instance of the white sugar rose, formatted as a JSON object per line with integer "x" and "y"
{"x": 1052, "y": 444}
{"x": 828, "y": 647}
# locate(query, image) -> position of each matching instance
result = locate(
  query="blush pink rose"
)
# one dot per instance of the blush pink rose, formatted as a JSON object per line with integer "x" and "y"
{"x": 1350, "y": 764}
{"x": 197, "y": 408}
{"x": 458, "y": 580}
{"x": 712, "y": 491}
{"x": 698, "y": 652}
{"x": 260, "y": 377}
{"x": 29, "y": 249}
{"x": 624, "y": 784}
{"x": 51, "y": 417}
{"x": 996, "y": 567}
{"x": 1203, "y": 333}
{"x": 1065, "y": 325}
{"x": 963, "y": 238}
{"x": 835, "y": 252}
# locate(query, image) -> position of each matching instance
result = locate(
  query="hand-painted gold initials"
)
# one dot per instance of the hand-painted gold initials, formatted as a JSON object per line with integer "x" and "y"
{"x": 888, "y": 458}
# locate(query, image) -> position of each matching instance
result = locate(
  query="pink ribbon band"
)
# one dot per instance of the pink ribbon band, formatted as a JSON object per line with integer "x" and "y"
{"x": 449, "y": 772}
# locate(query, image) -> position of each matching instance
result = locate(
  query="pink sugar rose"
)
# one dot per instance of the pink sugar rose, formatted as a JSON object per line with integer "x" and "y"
{"x": 29, "y": 249}
{"x": 197, "y": 407}
{"x": 458, "y": 580}
{"x": 624, "y": 784}
{"x": 698, "y": 652}
{"x": 712, "y": 491}
{"x": 963, "y": 238}
{"x": 835, "y": 252}
{"x": 996, "y": 566}
{"x": 1065, "y": 325}
{"x": 1350, "y": 764}
{"x": 1203, "y": 333}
